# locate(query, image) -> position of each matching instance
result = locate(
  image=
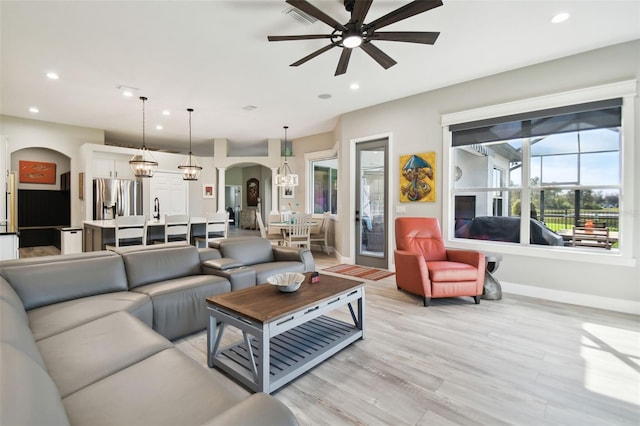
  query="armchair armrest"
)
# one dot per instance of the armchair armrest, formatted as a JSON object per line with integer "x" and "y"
{"x": 470, "y": 257}
{"x": 412, "y": 273}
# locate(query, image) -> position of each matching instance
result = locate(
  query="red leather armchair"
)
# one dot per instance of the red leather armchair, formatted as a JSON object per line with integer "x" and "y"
{"x": 426, "y": 268}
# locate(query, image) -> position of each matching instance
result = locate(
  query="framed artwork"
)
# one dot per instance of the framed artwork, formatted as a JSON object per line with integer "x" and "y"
{"x": 253, "y": 191}
{"x": 37, "y": 172}
{"x": 81, "y": 185}
{"x": 208, "y": 190}
{"x": 418, "y": 177}
{"x": 288, "y": 192}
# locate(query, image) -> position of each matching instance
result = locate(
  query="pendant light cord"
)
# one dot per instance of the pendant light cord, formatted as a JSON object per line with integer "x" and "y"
{"x": 143, "y": 99}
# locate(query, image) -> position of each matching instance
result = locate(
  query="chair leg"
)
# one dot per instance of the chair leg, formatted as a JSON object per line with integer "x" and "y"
{"x": 477, "y": 299}
{"x": 426, "y": 301}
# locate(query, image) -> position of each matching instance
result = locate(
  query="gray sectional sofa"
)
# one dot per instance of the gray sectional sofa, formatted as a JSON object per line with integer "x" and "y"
{"x": 85, "y": 339}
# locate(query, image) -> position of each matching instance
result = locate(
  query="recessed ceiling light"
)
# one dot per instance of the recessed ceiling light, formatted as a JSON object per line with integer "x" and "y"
{"x": 166, "y": 112}
{"x": 560, "y": 17}
{"x": 324, "y": 96}
{"x": 52, "y": 75}
{"x": 354, "y": 86}
{"x": 34, "y": 110}
{"x": 159, "y": 127}
{"x": 127, "y": 90}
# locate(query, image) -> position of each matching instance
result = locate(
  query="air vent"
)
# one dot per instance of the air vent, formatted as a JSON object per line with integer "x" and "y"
{"x": 300, "y": 16}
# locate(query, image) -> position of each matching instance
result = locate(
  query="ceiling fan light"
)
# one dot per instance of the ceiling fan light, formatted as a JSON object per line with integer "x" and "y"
{"x": 352, "y": 41}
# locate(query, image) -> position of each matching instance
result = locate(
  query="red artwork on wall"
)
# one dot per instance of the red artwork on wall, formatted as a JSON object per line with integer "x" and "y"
{"x": 37, "y": 172}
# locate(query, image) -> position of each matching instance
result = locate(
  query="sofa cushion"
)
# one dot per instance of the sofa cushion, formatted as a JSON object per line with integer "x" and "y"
{"x": 179, "y": 306}
{"x": 168, "y": 388}
{"x": 47, "y": 283}
{"x": 85, "y": 354}
{"x": 53, "y": 319}
{"x": 265, "y": 270}
{"x": 14, "y": 330}
{"x": 249, "y": 251}
{"x": 259, "y": 409}
{"x": 153, "y": 265}
{"x": 28, "y": 395}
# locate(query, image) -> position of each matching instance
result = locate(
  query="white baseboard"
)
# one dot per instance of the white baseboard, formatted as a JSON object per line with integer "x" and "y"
{"x": 600, "y": 302}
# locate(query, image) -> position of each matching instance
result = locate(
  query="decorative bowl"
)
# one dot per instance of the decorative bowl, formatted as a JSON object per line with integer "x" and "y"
{"x": 287, "y": 282}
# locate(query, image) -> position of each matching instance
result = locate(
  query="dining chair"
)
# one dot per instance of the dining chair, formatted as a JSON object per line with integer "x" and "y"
{"x": 285, "y": 216}
{"x": 272, "y": 237}
{"x": 177, "y": 227}
{"x": 299, "y": 231}
{"x": 130, "y": 230}
{"x": 216, "y": 227}
{"x": 323, "y": 233}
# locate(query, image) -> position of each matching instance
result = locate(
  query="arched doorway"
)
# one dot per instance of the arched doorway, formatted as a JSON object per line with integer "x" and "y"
{"x": 41, "y": 198}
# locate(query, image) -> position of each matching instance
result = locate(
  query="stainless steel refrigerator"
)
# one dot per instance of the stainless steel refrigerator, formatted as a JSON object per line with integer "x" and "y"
{"x": 116, "y": 197}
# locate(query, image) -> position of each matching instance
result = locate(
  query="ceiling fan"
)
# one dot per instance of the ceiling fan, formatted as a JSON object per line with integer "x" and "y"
{"x": 356, "y": 33}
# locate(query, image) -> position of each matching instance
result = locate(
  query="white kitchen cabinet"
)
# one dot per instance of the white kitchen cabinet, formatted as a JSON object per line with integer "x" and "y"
{"x": 8, "y": 246}
{"x": 112, "y": 167}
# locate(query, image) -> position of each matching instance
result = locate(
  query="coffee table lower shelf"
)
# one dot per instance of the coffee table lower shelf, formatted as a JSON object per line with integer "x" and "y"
{"x": 292, "y": 353}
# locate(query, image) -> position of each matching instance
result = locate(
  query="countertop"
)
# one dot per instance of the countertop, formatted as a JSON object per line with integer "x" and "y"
{"x": 111, "y": 223}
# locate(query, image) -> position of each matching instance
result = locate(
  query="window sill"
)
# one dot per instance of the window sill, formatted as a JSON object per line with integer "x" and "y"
{"x": 599, "y": 256}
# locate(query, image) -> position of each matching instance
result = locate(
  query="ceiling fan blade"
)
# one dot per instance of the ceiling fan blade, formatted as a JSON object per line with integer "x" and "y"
{"x": 313, "y": 55}
{"x": 343, "y": 63}
{"x": 360, "y": 10}
{"x": 298, "y": 37}
{"x": 404, "y": 12}
{"x": 408, "y": 36}
{"x": 310, "y": 9}
{"x": 378, "y": 55}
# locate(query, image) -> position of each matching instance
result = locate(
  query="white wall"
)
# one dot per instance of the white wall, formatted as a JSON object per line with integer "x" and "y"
{"x": 415, "y": 126}
{"x": 45, "y": 155}
{"x": 23, "y": 133}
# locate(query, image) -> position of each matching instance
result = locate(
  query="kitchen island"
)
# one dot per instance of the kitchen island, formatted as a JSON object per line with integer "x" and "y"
{"x": 100, "y": 233}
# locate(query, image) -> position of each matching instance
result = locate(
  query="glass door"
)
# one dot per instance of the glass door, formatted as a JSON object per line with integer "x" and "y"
{"x": 371, "y": 203}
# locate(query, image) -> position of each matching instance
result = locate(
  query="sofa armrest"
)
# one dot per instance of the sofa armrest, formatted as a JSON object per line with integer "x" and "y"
{"x": 222, "y": 264}
{"x": 207, "y": 253}
{"x": 258, "y": 409}
{"x": 291, "y": 254}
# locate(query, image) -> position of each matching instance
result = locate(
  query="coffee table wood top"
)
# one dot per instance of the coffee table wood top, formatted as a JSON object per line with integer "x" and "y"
{"x": 265, "y": 303}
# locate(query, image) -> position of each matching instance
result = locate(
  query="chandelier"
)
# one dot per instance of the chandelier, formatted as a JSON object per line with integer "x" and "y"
{"x": 142, "y": 163}
{"x": 190, "y": 167}
{"x": 285, "y": 177}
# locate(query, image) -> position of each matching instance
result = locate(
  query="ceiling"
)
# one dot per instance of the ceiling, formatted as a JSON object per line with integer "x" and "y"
{"x": 214, "y": 56}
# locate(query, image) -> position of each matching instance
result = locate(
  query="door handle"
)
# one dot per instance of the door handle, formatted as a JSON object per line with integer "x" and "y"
{"x": 357, "y": 215}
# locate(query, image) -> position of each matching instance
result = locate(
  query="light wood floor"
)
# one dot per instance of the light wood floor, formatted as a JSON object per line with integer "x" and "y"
{"x": 519, "y": 361}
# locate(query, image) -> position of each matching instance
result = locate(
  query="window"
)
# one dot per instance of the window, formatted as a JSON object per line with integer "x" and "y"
{"x": 564, "y": 162}
{"x": 325, "y": 186}
{"x": 321, "y": 169}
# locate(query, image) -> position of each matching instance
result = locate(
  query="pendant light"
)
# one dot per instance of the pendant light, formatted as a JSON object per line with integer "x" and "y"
{"x": 285, "y": 177}
{"x": 190, "y": 167}
{"x": 142, "y": 163}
